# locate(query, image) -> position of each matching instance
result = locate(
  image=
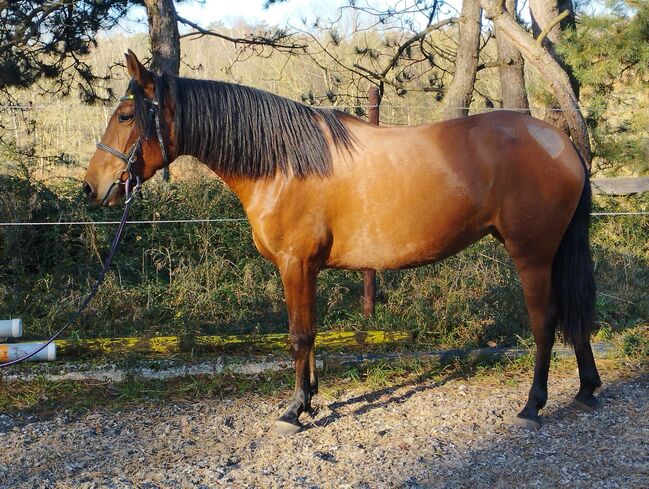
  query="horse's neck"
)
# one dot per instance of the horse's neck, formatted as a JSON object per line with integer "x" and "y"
{"x": 243, "y": 188}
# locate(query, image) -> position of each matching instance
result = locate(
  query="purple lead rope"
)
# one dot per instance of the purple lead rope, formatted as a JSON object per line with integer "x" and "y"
{"x": 95, "y": 287}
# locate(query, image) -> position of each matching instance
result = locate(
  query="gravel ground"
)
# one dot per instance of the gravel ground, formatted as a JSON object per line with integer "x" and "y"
{"x": 416, "y": 435}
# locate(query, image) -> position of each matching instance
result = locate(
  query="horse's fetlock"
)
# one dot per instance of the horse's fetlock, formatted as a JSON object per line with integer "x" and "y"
{"x": 589, "y": 380}
{"x": 539, "y": 396}
{"x": 302, "y": 341}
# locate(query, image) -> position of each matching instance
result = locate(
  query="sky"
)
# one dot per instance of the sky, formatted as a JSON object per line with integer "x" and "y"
{"x": 291, "y": 12}
{"x": 231, "y": 12}
{"x": 252, "y": 11}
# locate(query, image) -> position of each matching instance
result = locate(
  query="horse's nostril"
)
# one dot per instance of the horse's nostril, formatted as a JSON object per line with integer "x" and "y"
{"x": 87, "y": 188}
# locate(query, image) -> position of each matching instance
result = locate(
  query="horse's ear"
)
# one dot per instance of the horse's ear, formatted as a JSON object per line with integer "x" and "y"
{"x": 138, "y": 72}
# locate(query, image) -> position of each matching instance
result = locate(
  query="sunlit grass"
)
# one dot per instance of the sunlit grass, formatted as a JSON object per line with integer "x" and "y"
{"x": 188, "y": 280}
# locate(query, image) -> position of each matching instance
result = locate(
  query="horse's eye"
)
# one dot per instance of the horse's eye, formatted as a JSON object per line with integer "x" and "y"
{"x": 125, "y": 117}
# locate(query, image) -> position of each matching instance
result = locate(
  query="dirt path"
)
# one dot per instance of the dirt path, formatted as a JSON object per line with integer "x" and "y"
{"x": 423, "y": 434}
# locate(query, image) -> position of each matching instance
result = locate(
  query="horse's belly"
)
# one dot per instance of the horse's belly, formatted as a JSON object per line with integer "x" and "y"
{"x": 386, "y": 258}
{"x": 403, "y": 244}
{"x": 405, "y": 208}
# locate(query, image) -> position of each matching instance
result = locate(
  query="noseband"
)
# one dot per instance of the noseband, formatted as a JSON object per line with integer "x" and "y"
{"x": 130, "y": 158}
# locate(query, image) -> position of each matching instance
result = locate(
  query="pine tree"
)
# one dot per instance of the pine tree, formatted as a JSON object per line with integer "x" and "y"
{"x": 42, "y": 40}
{"x": 609, "y": 54}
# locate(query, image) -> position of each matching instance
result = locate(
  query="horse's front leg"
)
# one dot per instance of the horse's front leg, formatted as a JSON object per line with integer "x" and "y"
{"x": 299, "y": 278}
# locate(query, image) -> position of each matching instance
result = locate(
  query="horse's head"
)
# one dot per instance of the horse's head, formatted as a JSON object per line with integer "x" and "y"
{"x": 136, "y": 143}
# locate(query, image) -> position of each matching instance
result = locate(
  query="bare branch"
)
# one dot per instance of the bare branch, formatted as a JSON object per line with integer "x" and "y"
{"x": 489, "y": 64}
{"x": 550, "y": 69}
{"x": 546, "y": 30}
{"x": 415, "y": 38}
{"x": 274, "y": 41}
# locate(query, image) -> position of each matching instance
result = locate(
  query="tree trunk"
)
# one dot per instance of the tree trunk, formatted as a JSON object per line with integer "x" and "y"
{"x": 511, "y": 70}
{"x": 165, "y": 41}
{"x": 543, "y": 13}
{"x": 460, "y": 92}
{"x": 164, "y": 36}
{"x": 550, "y": 70}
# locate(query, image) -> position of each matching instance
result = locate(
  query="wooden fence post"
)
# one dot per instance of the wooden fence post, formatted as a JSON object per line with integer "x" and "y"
{"x": 369, "y": 276}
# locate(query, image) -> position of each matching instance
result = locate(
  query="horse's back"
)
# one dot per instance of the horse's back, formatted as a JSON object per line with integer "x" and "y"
{"x": 418, "y": 194}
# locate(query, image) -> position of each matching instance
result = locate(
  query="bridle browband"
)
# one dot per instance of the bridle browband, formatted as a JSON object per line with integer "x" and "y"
{"x": 130, "y": 158}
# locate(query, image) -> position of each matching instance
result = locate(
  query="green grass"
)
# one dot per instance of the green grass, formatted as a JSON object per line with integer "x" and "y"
{"x": 50, "y": 397}
{"x": 635, "y": 342}
{"x": 195, "y": 279}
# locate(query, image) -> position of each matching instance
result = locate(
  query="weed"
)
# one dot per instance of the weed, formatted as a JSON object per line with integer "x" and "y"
{"x": 195, "y": 279}
{"x": 635, "y": 343}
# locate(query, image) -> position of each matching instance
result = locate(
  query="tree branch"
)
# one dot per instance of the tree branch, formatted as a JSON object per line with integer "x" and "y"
{"x": 489, "y": 64}
{"x": 415, "y": 38}
{"x": 552, "y": 72}
{"x": 546, "y": 30}
{"x": 382, "y": 76}
{"x": 253, "y": 40}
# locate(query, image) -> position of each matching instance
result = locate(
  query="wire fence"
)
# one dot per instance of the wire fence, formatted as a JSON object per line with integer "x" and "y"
{"x": 94, "y": 223}
{"x": 83, "y": 142}
{"x": 220, "y": 220}
{"x": 629, "y": 110}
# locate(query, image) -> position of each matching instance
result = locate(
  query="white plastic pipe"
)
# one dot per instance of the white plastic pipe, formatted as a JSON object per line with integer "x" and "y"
{"x": 11, "y": 328}
{"x": 17, "y": 350}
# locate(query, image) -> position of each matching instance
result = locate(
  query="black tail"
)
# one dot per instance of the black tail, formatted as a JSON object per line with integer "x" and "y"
{"x": 573, "y": 280}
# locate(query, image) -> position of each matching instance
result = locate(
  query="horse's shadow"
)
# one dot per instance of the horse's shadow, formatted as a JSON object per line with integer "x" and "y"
{"x": 376, "y": 399}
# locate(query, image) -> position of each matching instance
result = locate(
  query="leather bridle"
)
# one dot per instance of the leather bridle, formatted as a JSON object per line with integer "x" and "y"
{"x": 130, "y": 158}
{"x": 132, "y": 178}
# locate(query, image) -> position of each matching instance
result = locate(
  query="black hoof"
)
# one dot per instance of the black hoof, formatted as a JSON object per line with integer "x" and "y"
{"x": 287, "y": 427}
{"x": 586, "y": 404}
{"x": 528, "y": 422}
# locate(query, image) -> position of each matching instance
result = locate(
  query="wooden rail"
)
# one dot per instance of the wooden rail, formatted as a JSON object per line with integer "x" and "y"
{"x": 248, "y": 366}
{"x": 162, "y": 345}
{"x": 620, "y": 186}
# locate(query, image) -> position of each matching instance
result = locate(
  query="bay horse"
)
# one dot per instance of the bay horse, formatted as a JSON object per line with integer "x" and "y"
{"x": 325, "y": 189}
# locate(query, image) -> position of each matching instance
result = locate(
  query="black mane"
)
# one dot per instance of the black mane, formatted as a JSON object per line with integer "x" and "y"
{"x": 243, "y": 131}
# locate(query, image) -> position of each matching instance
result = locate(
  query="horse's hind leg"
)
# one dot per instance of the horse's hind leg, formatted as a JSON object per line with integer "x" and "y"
{"x": 299, "y": 278}
{"x": 588, "y": 377}
{"x": 536, "y": 282}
